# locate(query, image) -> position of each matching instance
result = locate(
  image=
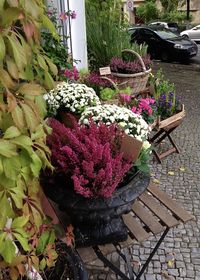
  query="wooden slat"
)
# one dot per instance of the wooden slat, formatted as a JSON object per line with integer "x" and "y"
{"x": 107, "y": 249}
{"x": 170, "y": 204}
{"x": 135, "y": 228}
{"x": 158, "y": 210}
{"x": 147, "y": 218}
{"x": 87, "y": 254}
{"x": 127, "y": 243}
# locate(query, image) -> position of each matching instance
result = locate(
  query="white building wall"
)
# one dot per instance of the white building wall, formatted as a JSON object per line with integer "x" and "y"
{"x": 78, "y": 32}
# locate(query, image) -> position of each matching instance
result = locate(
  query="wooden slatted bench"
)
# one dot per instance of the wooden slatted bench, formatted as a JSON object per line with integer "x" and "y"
{"x": 153, "y": 213}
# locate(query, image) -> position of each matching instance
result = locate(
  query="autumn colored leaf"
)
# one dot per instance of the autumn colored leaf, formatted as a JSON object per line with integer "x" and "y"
{"x": 171, "y": 173}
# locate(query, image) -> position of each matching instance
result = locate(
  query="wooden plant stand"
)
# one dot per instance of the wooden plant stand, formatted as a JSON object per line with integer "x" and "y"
{"x": 154, "y": 212}
{"x": 163, "y": 130}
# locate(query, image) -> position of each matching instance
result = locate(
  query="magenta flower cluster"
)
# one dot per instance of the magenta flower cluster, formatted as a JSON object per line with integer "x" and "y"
{"x": 144, "y": 104}
{"x": 94, "y": 79}
{"x": 128, "y": 67}
{"x": 72, "y": 74}
{"x": 145, "y": 107}
{"x": 90, "y": 156}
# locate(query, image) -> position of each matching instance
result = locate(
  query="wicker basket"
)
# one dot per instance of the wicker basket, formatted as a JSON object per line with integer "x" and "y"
{"x": 137, "y": 81}
{"x": 115, "y": 100}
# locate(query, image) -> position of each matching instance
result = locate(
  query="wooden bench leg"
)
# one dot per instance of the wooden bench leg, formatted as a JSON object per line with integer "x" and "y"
{"x": 158, "y": 138}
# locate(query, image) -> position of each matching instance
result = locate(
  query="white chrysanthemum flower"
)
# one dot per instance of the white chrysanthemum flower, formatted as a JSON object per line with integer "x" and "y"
{"x": 68, "y": 95}
{"x": 133, "y": 124}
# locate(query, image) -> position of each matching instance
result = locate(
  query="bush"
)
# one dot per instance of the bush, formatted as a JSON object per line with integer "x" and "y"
{"x": 148, "y": 11}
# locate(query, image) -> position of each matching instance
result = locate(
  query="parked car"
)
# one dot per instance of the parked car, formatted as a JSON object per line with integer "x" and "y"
{"x": 164, "y": 44}
{"x": 193, "y": 33}
{"x": 173, "y": 26}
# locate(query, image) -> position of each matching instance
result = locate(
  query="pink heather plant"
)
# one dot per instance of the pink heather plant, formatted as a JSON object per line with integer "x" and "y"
{"x": 90, "y": 156}
{"x": 128, "y": 67}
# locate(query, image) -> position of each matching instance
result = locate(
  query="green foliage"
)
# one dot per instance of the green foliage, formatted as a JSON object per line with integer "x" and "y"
{"x": 107, "y": 94}
{"x": 106, "y": 31}
{"x": 148, "y": 11}
{"x": 161, "y": 85}
{"x": 175, "y": 16}
{"x": 25, "y": 72}
{"x": 54, "y": 46}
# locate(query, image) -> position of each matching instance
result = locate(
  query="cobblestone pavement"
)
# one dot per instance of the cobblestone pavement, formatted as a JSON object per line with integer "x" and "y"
{"x": 179, "y": 255}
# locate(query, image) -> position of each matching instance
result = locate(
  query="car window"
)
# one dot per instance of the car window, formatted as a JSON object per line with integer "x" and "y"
{"x": 165, "y": 34}
{"x": 148, "y": 33}
{"x": 197, "y": 27}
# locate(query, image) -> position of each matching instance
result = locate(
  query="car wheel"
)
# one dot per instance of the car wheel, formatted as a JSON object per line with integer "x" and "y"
{"x": 165, "y": 56}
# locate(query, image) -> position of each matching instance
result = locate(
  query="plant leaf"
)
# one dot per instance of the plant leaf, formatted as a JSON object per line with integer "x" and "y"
{"x": 41, "y": 62}
{"x": 49, "y": 82}
{"x": 47, "y": 23}
{"x": 31, "y": 118}
{"x": 20, "y": 222}
{"x": 52, "y": 66}
{"x": 36, "y": 165}
{"x": 18, "y": 52}
{"x": 11, "y": 132}
{"x": 9, "y": 15}
{"x": 18, "y": 117}
{"x": 31, "y": 89}
{"x": 12, "y": 167}
{"x": 12, "y": 68}
{"x": 2, "y": 48}
{"x": 7, "y": 250}
{"x": 7, "y": 149}
{"x": 5, "y": 79}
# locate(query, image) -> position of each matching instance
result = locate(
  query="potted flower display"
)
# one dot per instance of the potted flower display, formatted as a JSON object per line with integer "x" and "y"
{"x": 92, "y": 179}
{"x": 70, "y": 98}
{"x": 131, "y": 72}
{"x": 170, "y": 110}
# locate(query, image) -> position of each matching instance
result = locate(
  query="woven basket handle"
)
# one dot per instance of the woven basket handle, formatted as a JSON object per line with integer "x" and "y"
{"x": 138, "y": 56}
{"x": 111, "y": 81}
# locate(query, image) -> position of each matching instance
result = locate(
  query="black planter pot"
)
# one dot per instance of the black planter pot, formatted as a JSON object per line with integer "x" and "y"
{"x": 99, "y": 221}
{"x": 68, "y": 265}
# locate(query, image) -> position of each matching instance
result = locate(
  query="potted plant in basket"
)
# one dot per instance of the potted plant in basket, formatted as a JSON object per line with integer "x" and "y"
{"x": 92, "y": 180}
{"x": 132, "y": 68}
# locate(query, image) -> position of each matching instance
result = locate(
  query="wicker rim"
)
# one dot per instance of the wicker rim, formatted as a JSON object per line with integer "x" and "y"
{"x": 116, "y": 74}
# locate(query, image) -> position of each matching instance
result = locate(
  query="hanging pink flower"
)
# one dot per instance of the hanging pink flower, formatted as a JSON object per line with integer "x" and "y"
{"x": 73, "y": 15}
{"x": 63, "y": 16}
